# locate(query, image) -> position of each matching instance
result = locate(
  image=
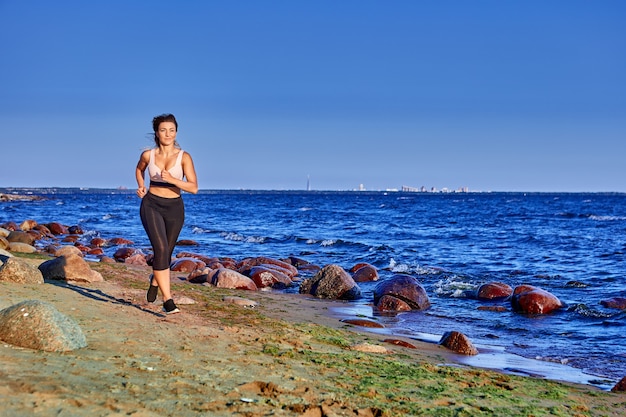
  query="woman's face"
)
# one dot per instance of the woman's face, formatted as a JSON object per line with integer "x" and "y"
{"x": 166, "y": 133}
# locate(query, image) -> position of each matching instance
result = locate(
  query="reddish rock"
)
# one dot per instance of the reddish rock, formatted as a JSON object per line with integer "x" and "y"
{"x": 120, "y": 241}
{"x": 10, "y": 226}
{"x": 364, "y": 323}
{"x": 459, "y": 343}
{"x": 70, "y": 238}
{"x": 121, "y": 254}
{"x": 366, "y": 273}
{"x": 98, "y": 242}
{"x": 494, "y": 291}
{"x": 331, "y": 282}
{"x": 136, "y": 259}
{"x": 265, "y": 276}
{"x": 399, "y": 342}
{"x": 310, "y": 269}
{"x": 207, "y": 260}
{"x": 43, "y": 230}
{"x": 620, "y": 386}
{"x": 186, "y": 264}
{"x": 295, "y": 261}
{"x": 187, "y": 242}
{"x": 390, "y": 303}
{"x": 617, "y": 302}
{"x": 227, "y": 278}
{"x": 248, "y": 263}
{"x": 529, "y": 299}
{"x": 405, "y": 288}
{"x": 95, "y": 251}
{"x": 358, "y": 266}
{"x": 57, "y": 228}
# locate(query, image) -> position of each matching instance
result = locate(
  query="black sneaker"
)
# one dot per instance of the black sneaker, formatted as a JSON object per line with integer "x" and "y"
{"x": 153, "y": 291}
{"x": 169, "y": 307}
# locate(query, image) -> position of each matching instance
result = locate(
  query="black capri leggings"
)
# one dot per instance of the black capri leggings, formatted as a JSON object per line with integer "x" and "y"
{"x": 163, "y": 219}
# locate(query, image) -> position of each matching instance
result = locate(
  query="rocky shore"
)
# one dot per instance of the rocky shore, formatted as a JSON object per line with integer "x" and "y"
{"x": 107, "y": 351}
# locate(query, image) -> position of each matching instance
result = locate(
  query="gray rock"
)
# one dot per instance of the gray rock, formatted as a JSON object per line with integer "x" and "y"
{"x": 35, "y": 324}
{"x": 16, "y": 270}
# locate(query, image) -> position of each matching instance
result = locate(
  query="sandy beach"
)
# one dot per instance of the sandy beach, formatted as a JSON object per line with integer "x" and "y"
{"x": 289, "y": 356}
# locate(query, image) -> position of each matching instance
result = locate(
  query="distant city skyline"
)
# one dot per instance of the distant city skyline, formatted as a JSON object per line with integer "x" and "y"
{"x": 488, "y": 95}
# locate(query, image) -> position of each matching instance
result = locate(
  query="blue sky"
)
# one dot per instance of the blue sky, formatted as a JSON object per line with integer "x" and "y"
{"x": 489, "y": 95}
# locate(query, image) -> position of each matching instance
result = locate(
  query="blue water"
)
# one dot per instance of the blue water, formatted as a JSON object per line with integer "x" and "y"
{"x": 572, "y": 245}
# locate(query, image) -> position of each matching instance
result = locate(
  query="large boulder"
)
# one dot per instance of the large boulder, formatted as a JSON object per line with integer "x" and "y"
{"x": 35, "y": 324}
{"x": 228, "y": 278}
{"x": 494, "y": 291}
{"x": 21, "y": 247}
{"x": 529, "y": 299}
{"x": 331, "y": 282}
{"x": 403, "y": 288}
{"x": 265, "y": 276}
{"x": 16, "y": 270}
{"x": 21, "y": 237}
{"x": 365, "y": 273}
{"x": 69, "y": 268}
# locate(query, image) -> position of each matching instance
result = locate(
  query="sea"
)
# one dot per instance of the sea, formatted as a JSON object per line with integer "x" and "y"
{"x": 570, "y": 244}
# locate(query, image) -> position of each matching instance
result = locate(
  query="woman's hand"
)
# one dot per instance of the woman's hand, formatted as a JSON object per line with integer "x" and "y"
{"x": 141, "y": 192}
{"x": 166, "y": 176}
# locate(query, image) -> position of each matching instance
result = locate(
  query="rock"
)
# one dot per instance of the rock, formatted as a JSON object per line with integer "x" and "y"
{"x": 10, "y": 226}
{"x": 120, "y": 241}
{"x": 366, "y": 273}
{"x": 28, "y": 225}
{"x": 534, "y": 300}
{"x": 244, "y": 302}
{"x": 620, "y": 386}
{"x": 4, "y": 243}
{"x": 21, "y": 237}
{"x": 57, "y": 228}
{"x": 98, "y": 242}
{"x": 459, "y": 343}
{"x": 497, "y": 309}
{"x": 265, "y": 276}
{"x": 369, "y": 348}
{"x": 38, "y": 325}
{"x": 364, "y": 323}
{"x": 248, "y": 263}
{"x": 186, "y": 264}
{"x": 227, "y": 278}
{"x": 75, "y": 230}
{"x": 16, "y": 270}
{"x": 4, "y": 232}
{"x": 390, "y": 303}
{"x": 331, "y": 282}
{"x": 400, "y": 342}
{"x": 122, "y": 254}
{"x": 21, "y": 247}
{"x": 403, "y": 287}
{"x": 67, "y": 250}
{"x": 617, "y": 302}
{"x": 135, "y": 259}
{"x": 494, "y": 291}
{"x": 69, "y": 268}
{"x": 186, "y": 242}
{"x": 200, "y": 276}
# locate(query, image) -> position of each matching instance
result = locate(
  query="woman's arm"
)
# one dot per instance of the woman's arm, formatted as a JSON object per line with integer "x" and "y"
{"x": 140, "y": 173}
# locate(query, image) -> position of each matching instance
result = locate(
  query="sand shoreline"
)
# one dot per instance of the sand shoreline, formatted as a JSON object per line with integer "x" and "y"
{"x": 281, "y": 358}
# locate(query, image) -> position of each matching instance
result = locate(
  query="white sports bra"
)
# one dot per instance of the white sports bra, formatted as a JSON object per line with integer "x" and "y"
{"x": 155, "y": 172}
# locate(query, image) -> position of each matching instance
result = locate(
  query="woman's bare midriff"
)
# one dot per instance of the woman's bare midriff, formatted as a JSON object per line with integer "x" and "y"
{"x": 164, "y": 192}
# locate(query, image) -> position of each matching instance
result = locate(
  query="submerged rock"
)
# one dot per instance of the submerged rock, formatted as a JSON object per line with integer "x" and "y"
{"x": 534, "y": 300}
{"x": 400, "y": 291}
